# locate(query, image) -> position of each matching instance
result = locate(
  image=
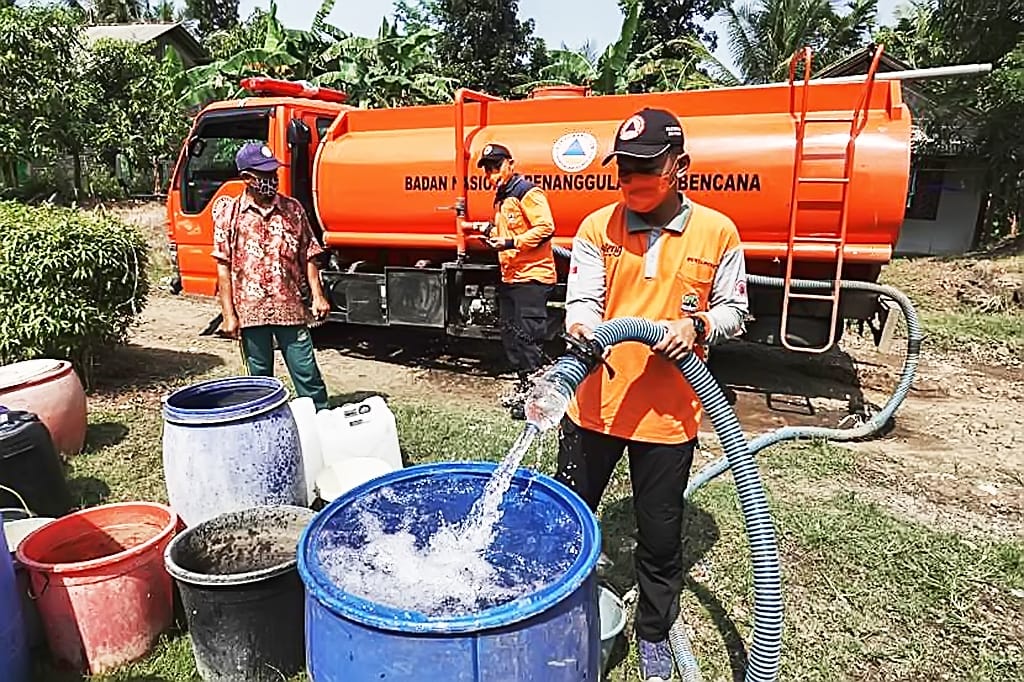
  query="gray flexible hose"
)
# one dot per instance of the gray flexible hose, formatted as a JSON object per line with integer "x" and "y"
{"x": 915, "y": 336}
{"x": 562, "y": 252}
{"x": 686, "y": 662}
{"x": 766, "y": 646}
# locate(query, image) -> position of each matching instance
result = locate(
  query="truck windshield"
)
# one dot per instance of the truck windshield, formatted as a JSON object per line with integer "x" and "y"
{"x": 210, "y": 158}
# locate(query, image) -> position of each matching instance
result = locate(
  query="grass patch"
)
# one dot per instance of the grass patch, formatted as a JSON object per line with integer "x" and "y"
{"x": 953, "y": 330}
{"x": 968, "y": 304}
{"x": 869, "y": 596}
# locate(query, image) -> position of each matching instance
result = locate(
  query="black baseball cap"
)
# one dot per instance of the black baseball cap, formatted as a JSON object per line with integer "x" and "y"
{"x": 647, "y": 134}
{"x": 493, "y": 153}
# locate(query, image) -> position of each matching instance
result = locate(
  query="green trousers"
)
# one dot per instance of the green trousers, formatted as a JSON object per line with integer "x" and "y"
{"x": 297, "y": 349}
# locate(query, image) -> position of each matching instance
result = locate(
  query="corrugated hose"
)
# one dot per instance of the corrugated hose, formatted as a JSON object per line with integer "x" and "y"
{"x": 765, "y": 651}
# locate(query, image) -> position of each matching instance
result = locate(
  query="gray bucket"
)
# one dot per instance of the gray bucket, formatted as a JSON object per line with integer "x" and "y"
{"x": 613, "y": 620}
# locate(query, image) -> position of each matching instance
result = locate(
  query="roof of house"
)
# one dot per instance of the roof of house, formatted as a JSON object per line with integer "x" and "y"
{"x": 941, "y": 128}
{"x": 858, "y": 62}
{"x": 144, "y": 33}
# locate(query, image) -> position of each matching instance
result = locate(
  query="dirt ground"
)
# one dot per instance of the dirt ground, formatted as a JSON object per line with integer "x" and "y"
{"x": 953, "y": 457}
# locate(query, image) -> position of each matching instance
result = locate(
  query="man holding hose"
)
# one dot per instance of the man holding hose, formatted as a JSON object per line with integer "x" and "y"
{"x": 658, "y": 255}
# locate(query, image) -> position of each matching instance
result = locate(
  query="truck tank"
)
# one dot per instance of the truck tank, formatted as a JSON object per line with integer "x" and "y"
{"x": 813, "y": 172}
{"x": 387, "y": 179}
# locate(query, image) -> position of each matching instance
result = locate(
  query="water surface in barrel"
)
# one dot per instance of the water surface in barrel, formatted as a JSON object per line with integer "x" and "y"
{"x": 454, "y": 546}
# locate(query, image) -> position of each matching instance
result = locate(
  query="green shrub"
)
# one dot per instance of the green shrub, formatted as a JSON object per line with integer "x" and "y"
{"x": 71, "y": 283}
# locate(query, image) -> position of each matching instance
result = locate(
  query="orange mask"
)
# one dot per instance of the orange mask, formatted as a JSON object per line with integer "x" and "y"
{"x": 643, "y": 193}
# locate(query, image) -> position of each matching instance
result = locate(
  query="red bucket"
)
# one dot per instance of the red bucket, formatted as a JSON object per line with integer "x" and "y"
{"x": 104, "y": 595}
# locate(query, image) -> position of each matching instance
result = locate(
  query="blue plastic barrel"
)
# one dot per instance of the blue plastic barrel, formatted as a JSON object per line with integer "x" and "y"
{"x": 550, "y": 635}
{"x": 231, "y": 444}
{"x": 14, "y": 658}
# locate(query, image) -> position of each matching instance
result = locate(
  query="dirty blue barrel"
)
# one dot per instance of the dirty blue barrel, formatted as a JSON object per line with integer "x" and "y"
{"x": 14, "y": 659}
{"x": 230, "y": 444}
{"x": 547, "y": 539}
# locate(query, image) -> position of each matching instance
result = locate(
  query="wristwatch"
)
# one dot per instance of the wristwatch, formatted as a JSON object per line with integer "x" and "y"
{"x": 699, "y": 327}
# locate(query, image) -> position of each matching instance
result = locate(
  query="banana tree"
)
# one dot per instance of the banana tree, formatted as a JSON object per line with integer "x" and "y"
{"x": 390, "y": 70}
{"x": 282, "y": 55}
{"x": 618, "y": 71}
{"x": 606, "y": 75}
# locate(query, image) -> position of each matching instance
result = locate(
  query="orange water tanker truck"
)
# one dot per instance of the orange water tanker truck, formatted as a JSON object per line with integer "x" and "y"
{"x": 814, "y": 172}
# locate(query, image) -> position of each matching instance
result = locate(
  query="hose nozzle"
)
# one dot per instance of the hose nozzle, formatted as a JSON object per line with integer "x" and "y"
{"x": 589, "y": 351}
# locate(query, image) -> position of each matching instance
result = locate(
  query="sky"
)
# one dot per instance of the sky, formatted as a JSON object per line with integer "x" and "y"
{"x": 556, "y": 21}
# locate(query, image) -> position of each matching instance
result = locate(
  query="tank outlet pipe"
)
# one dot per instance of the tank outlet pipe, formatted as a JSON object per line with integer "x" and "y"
{"x": 915, "y": 337}
{"x": 547, "y": 403}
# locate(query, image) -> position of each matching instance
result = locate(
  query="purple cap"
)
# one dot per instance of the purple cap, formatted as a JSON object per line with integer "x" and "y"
{"x": 256, "y": 157}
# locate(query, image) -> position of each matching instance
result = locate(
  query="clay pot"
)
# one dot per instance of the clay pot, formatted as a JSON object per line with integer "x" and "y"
{"x": 51, "y": 390}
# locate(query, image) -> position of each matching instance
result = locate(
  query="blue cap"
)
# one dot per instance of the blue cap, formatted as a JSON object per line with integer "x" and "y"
{"x": 255, "y": 156}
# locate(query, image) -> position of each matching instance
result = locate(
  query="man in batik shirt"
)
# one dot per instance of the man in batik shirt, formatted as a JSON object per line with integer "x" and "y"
{"x": 265, "y": 251}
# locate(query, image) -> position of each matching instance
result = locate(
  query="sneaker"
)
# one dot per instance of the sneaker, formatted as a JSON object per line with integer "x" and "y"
{"x": 655, "y": 661}
{"x": 517, "y": 412}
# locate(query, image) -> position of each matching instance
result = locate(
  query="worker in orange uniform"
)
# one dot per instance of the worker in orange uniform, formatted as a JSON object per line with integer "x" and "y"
{"x": 521, "y": 234}
{"x": 659, "y": 255}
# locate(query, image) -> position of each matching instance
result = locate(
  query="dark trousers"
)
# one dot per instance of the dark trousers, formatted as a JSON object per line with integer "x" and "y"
{"x": 297, "y": 349}
{"x": 523, "y": 315}
{"x": 659, "y": 474}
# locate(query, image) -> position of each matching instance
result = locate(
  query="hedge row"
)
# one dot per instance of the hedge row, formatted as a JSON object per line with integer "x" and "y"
{"x": 71, "y": 283}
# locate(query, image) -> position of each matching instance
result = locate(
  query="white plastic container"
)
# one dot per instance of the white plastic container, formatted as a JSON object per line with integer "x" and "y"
{"x": 346, "y": 474}
{"x": 304, "y": 411}
{"x": 364, "y": 429}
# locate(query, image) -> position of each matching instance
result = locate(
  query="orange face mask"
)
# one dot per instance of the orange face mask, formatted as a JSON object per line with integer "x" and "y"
{"x": 643, "y": 192}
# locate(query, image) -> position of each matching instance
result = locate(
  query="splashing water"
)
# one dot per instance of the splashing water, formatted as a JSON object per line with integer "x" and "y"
{"x": 459, "y": 569}
{"x": 477, "y": 532}
{"x": 546, "y": 405}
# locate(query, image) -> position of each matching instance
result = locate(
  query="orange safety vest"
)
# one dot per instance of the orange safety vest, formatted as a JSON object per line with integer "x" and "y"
{"x": 524, "y": 216}
{"x": 649, "y": 400}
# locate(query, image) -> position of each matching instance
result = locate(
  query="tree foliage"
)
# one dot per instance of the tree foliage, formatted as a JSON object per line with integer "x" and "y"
{"x": 389, "y": 70}
{"x": 620, "y": 68}
{"x": 764, "y": 34}
{"x": 481, "y": 44}
{"x": 664, "y": 21}
{"x": 213, "y": 15}
{"x": 943, "y": 32}
{"x": 48, "y": 107}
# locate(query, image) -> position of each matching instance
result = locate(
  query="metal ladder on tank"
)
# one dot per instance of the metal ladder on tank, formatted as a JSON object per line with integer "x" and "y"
{"x": 836, "y": 240}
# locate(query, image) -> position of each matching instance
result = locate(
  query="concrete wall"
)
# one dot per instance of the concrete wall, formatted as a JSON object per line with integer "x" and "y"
{"x": 952, "y": 230}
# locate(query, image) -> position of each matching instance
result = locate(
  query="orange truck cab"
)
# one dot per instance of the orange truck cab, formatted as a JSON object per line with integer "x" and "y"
{"x": 814, "y": 174}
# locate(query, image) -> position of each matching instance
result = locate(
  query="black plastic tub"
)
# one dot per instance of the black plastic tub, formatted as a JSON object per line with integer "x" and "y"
{"x": 242, "y": 595}
{"x": 30, "y": 465}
